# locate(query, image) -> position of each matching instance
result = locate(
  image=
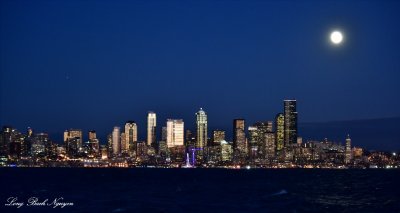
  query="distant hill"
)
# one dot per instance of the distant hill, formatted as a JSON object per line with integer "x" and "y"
{"x": 378, "y": 134}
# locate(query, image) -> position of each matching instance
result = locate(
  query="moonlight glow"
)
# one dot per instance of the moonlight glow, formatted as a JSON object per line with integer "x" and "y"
{"x": 336, "y": 37}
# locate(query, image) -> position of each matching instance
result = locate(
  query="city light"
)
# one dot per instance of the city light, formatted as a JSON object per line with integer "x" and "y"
{"x": 267, "y": 144}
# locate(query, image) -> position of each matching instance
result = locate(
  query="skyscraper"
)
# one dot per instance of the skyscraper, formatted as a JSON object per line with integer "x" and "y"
{"x": 116, "y": 141}
{"x": 72, "y": 141}
{"x": 164, "y": 133}
{"x": 175, "y": 133}
{"x": 74, "y": 134}
{"x": 290, "y": 115}
{"x": 239, "y": 136}
{"x": 92, "y": 134}
{"x": 261, "y": 129}
{"x": 348, "y": 155}
{"x": 130, "y": 136}
{"x": 218, "y": 136}
{"x": 253, "y": 142}
{"x": 201, "y": 123}
{"x": 279, "y": 131}
{"x": 270, "y": 146}
{"x": 151, "y": 128}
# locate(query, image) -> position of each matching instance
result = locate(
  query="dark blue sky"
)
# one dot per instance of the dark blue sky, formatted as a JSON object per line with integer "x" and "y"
{"x": 93, "y": 65}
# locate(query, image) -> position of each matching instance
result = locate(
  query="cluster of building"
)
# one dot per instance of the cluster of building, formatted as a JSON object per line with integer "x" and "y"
{"x": 266, "y": 144}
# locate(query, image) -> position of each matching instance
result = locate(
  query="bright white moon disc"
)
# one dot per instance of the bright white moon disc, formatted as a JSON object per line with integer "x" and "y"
{"x": 336, "y": 37}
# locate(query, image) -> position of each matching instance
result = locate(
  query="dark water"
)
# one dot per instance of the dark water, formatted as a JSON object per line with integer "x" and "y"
{"x": 204, "y": 190}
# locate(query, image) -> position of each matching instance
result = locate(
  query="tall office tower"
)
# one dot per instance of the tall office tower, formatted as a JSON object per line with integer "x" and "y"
{"x": 42, "y": 139}
{"x": 15, "y": 146}
{"x": 175, "y": 130}
{"x": 239, "y": 135}
{"x": 124, "y": 144}
{"x": 218, "y": 136}
{"x": 93, "y": 146}
{"x": 26, "y": 147}
{"x": 109, "y": 146}
{"x": 279, "y": 131}
{"x": 290, "y": 114}
{"x": 270, "y": 146}
{"x": 141, "y": 150}
{"x": 73, "y": 142}
{"x": 189, "y": 138}
{"x": 201, "y": 123}
{"x": 348, "y": 155}
{"x": 92, "y": 135}
{"x": 130, "y": 137}
{"x": 116, "y": 140}
{"x": 253, "y": 142}
{"x": 151, "y": 128}
{"x": 262, "y": 128}
{"x": 164, "y": 133}
{"x": 5, "y": 140}
{"x": 74, "y": 134}
{"x": 226, "y": 151}
{"x": 269, "y": 126}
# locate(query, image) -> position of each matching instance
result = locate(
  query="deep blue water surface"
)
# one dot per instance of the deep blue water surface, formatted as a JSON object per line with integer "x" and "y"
{"x": 204, "y": 190}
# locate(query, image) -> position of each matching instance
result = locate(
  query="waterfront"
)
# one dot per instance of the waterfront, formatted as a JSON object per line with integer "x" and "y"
{"x": 199, "y": 190}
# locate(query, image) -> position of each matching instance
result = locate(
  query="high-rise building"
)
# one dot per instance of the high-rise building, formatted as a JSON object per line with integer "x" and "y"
{"x": 141, "y": 150}
{"x": 218, "y": 136}
{"x": 253, "y": 142}
{"x": 164, "y": 133}
{"x": 5, "y": 140}
{"x": 130, "y": 137}
{"x": 72, "y": 140}
{"x": 42, "y": 139}
{"x": 261, "y": 128}
{"x": 75, "y": 134}
{"x": 151, "y": 128}
{"x": 269, "y": 146}
{"x": 175, "y": 132}
{"x": 26, "y": 147}
{"x": 93, "y": 146}
{"x": 201, "y": 123}
{"x": 239, "y": 135}
{"x": 226, "y": 151}
{"x": 189, "y": 138}
{"x": 270, "y": 126}
{"x": 290, "y": 114}
{"x": 348, "y": 152}
{"x": 124, "y": 144}
{"x": 92, "y": 134}
{"x": 279, "y": 131}
{"x": 110, "y": 146}
{"x": 116, "y": 141}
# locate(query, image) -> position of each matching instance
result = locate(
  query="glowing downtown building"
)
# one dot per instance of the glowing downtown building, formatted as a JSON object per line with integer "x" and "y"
{"x": 130, "y": 136}
{"x": 218, "y": 136}
{"x": 175, "y": 132}
{"x": 201, "y": 123}
{"x": 73, "y": 134}
{"x": 151, "y": 128}
{"x": 348, "y": 152}
{"x": 116, "y": 140}
{"x": 280, "y": 131}
{"x": 290, "y": 126}
{"x": 239, "y": 135}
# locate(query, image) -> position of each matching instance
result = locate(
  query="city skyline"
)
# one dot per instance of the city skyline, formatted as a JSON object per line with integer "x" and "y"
{"x": 263, "y": 144}
{"x": 283, "y": 129}
{"x": 191, "y": 126}
{"x": 61, "y": 71}
{"x": 203, "y": 106}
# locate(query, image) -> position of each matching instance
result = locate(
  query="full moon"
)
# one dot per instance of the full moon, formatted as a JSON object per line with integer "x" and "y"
{"x": 336, "y": 37}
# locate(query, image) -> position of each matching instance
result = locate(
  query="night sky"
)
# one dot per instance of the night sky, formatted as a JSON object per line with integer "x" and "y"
{"x": 94, "y": 65}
